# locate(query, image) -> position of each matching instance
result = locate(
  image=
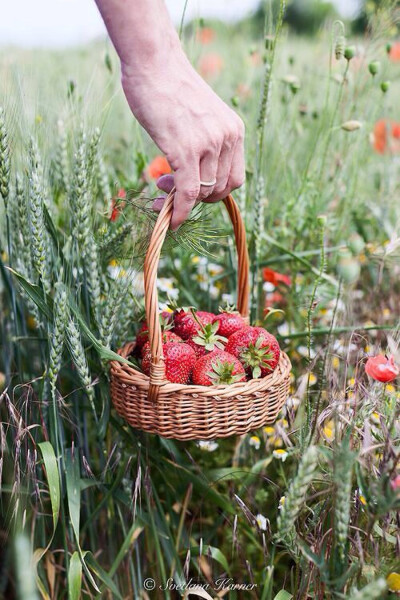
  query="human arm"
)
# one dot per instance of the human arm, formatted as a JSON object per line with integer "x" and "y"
{"x": 201, "y": 137}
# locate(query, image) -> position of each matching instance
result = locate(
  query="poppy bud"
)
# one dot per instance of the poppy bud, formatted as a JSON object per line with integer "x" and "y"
{"x": 348, "y": 267}
{"x": 356, "y": 244}
{"x": 374, "y": 67}
{"x": 294, "y": 87}
{"x": 388, "y": 48}
{"x": 385, "y": 85}
{"x": 351, "y": 125}
{"x": 349, "y": 52}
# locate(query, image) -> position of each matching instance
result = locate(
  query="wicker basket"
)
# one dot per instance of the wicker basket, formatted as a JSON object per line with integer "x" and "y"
{"x": 190, "y": 412}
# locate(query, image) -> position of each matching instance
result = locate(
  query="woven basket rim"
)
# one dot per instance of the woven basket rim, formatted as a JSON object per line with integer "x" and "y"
{"x": 131, "y": 375}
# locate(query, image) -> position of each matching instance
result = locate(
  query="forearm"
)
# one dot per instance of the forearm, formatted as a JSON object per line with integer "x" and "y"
{"x": 142, "y": 33}
{"x": 201, "y": 137}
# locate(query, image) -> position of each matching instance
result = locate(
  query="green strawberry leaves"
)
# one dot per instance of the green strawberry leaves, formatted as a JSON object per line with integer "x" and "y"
{"x": 209, "y": 338}
{"x": 255, "y": 357}
{"x": 222, "y": 372}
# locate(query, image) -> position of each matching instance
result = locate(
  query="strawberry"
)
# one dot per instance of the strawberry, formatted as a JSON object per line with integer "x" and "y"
{"x": 167, "y": 336}
{"x": 188, "y": 322}
{"x": 143, "y": 333}
{"x": 257, "y": 350}
{"x": 229, "y": 321}
{"x": 207, "y": 340}
{"x": 179, "y": 361}
{"x": 216, "y": 368}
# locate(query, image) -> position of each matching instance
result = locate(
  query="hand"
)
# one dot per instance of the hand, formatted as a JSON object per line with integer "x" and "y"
{"x": 201, "y": 137}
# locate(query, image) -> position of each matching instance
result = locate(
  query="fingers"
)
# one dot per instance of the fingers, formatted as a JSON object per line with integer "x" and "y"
{"x": 187, "y": 183}
{"x": 158, "y": 203}
{"x": 208, "y": 173}
{"x": 231, "y": 167}
{"x": 165, "y": 183}
{"x": 221, "y": 161}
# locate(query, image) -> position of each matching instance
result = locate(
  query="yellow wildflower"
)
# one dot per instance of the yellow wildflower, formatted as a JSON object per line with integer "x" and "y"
{"x": 393, "y": 582}
{"x": 362, "y": 499}
{"x": 113, "y": 263}
{"x": 255, "y": 442}
{"x": 312, "y": 379}
{"x": 31, "y": 322}
{"x": 281, "y": 454}
{"x": 329, "y": 431}
{"x": 335, "y": 363}
{"x": 269, "y": 430}
{"x": 390, "y": 388}
{"x": 195, "y": 260}
{"x": 375, "y": 418}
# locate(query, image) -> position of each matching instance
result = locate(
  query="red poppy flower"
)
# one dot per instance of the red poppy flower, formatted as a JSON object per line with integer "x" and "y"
{"x": 382, "y": 368}
{"x": 205, "y": 35}
{"x": 386, "y": 136}
{"x": 395, "y": 483}
{"x": 117, "y": 205}
{"x": 158, "y": 166}
{"x": 274, "y": 277}
{"x": 394, "y": 53}
{"x": 211, "y": 65}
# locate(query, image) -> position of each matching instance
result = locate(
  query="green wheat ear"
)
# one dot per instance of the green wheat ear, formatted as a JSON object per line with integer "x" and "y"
{"x": 4, "y": 159}
{"x": 343, "y": 470}
{"x": 39, "y": 240}
{"x": 296, "y": 495}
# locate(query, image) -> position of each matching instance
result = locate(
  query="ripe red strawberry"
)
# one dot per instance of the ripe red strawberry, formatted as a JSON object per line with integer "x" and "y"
{"x": 207, "y": 340}
{"x": 167, "y": 336}
{"x": 216, "y": 368}
{"x": 229, "y": 321}
{"x": 143, "y": 333}
{"x": 257, "y": 350}
{"x": 179, "y": 361}
{"x": 188, "y": 323}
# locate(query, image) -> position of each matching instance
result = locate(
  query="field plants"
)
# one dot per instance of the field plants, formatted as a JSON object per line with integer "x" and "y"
{"x": 305, "y": 508}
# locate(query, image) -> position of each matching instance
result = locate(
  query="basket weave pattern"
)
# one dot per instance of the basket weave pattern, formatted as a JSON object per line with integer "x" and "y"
{"x": 188, "y": 412}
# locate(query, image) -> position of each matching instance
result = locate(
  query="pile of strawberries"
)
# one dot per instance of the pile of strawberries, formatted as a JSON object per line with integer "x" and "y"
{"x": 207, "y": 349}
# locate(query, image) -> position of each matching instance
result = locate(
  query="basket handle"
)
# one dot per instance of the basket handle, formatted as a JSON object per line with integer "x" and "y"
{"x": 157, "y": 370}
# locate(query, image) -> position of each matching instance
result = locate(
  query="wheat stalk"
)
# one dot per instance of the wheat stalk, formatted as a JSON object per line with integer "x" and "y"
{"x": 38, "y": 234}
{"x": 58, "y": 334}
{"x": 343, "y": 476}
{"x": 79, "y": 358}
{"x": 296, "y": 495}
{"x": 61, "y": 162}
{"x": 112, "y": 308}
{"x": 4, "y": 159}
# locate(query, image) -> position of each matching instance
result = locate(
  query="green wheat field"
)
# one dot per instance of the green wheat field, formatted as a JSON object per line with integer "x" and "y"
{"x": 306, "y": 508}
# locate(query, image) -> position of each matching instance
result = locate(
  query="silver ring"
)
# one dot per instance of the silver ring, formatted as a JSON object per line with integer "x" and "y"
{"x": 208, "y": 183}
